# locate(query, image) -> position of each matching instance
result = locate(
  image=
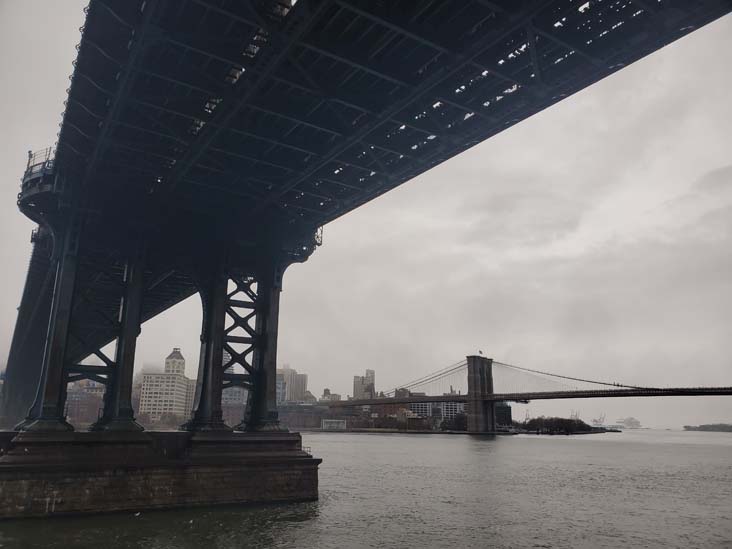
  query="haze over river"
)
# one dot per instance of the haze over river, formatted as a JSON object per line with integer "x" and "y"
{"x": 633, "y": 489}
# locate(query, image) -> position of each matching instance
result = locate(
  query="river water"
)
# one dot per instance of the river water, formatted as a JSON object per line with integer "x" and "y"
{"x": 633, "y": 489}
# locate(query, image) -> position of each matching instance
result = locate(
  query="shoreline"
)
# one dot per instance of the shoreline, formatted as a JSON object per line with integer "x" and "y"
{"x": 425, "y": 432}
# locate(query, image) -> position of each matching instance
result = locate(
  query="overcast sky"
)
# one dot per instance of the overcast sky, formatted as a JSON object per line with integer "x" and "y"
{"x": 593, "y": 239}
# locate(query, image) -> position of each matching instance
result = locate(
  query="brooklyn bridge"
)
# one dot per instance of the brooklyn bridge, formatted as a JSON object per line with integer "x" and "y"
{"x": 489, "y": 381}
{"x": 257, "y": 122}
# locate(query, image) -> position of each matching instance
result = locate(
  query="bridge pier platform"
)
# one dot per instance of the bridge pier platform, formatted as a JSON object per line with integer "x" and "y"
{"x": 65, "y": 473}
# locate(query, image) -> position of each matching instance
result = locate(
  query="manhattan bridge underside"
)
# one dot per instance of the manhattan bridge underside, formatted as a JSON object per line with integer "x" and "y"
{"x": 203, "y": 146}
{"x": 200, "y": 132}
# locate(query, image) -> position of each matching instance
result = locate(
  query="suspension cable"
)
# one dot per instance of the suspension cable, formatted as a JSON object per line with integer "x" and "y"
{"x": 430, "y": 377}
{"x": 570, "y": 378}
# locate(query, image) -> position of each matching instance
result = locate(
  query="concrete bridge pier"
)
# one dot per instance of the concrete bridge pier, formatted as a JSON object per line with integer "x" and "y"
{"x": 481, "y": 413}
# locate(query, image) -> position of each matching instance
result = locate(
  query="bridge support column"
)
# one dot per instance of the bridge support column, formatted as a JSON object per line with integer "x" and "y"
{"x": 264, "y": 415}
{"x": 118, "y": 414}
{"x": 208, "y": 415}
{"x": 481, "y": 412}
{"x": 47, "y": 412}
{"x": 25, "y": 360}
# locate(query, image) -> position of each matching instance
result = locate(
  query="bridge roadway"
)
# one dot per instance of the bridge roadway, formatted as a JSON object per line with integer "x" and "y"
{"x": 547, "y": 395}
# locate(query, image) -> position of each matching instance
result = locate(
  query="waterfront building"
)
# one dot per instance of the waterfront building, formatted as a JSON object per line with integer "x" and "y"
{"x": 449, "y": 410}
{"x": 333, "y": 424}
{"x": 503, "y": 414}
{"x": 234, "y": 396}
{"x": 233, "y": 403}
{"x": 233, "y": 399}
{"x": 84, "y": 401}
{"x": 190, "y": 396}
{"x": 169, "y": 391}
{"x": 444, "y": 410}
{"x": 421, "y": 409}
{"x": 136, "y": 392}
{"x": 295, "y": 416}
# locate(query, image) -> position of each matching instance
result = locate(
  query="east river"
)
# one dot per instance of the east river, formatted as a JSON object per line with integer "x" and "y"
{"x": 633, "y": 489}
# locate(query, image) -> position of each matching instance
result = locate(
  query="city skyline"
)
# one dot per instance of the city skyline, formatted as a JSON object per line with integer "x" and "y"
{"x": 448, "y": 409}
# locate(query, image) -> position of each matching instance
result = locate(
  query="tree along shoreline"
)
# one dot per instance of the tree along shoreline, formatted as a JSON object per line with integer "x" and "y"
{"x": 710, "y": 427}
{"x": 558, "y": 426}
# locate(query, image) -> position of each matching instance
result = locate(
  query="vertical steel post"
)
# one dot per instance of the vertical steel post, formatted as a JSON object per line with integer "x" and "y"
{"x": 47, "y": 413}
{"x": 264, "y": 415}
{"x": 118, "y": 414}
{"x": 208, "y": 415}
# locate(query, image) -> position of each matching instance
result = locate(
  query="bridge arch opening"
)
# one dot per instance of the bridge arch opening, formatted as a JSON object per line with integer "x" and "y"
{"x": 166, "y": 366}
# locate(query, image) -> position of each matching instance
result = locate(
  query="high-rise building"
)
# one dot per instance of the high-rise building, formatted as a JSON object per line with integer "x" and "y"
{"x": 364, "y": 386}
{"x": 371, "y": 379}
{"x": 329, "y": 397}
{"x": 175, "y": 363}
{"x": 299, "y": 388}
{"x": 281, "y": 388}
{"x": 295, "y": 385}
{"x": 169, "y": 391}
{"x": 358, "y": 387}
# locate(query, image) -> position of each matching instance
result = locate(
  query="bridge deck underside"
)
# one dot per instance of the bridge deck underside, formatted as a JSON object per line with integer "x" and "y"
{"x": 254, "y": 113}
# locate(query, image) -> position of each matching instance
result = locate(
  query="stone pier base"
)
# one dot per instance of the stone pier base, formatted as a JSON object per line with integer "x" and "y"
{"x": 44, "y": 474}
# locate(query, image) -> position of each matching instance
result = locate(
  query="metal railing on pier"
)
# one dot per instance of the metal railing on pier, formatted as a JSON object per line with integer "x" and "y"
{"x": 39, "y": 162}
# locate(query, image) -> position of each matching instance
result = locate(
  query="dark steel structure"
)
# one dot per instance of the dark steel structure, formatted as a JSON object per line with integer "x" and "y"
{"x": 206, "y": 142}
